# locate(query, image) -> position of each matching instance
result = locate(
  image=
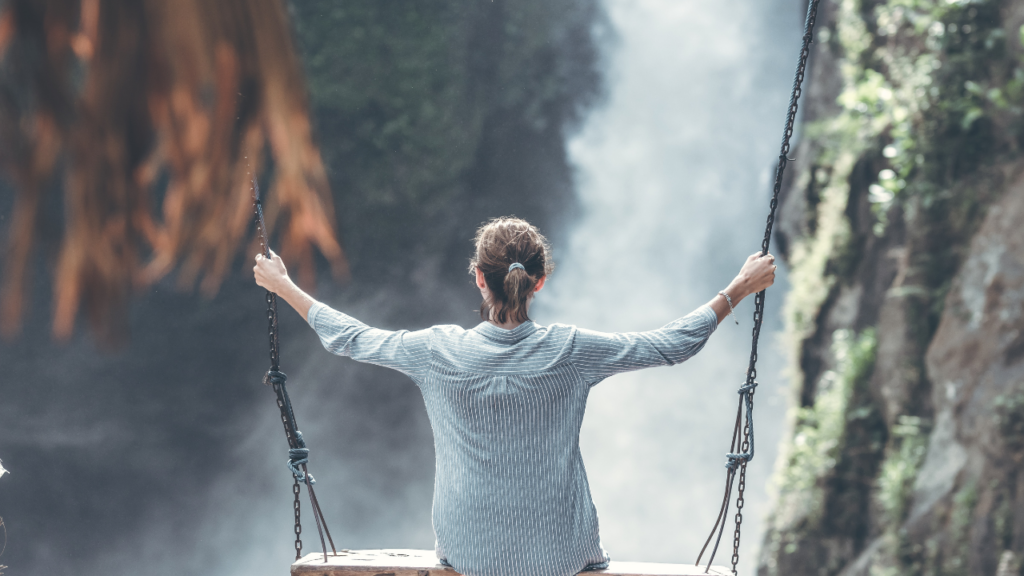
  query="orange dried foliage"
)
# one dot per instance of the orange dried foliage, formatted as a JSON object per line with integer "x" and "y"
{"x": 199, "y": 91}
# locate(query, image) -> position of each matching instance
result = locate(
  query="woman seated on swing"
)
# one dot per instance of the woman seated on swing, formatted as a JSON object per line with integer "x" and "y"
{"x": 506, "y": 399}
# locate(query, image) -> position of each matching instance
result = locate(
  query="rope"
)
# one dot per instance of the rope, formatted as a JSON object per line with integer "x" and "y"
{"x": 298, "y": 453}
{"x": 741, "y": 449}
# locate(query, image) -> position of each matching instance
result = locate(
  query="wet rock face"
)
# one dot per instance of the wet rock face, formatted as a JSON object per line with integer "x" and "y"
{"x": 903, "y": 224}
{"x": 977, "y": 372}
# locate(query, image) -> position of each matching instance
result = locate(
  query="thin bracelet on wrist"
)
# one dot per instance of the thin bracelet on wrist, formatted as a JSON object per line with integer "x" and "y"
{"x": 732, "y": 310}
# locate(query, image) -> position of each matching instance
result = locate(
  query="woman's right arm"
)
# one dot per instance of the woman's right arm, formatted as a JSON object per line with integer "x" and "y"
{"x": 271, "y": 274}
{"x": 402, "y": 350}
{"x": 341, "y": 334}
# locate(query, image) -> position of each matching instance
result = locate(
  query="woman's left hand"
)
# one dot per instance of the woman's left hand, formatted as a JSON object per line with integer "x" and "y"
{"x": 271, "y": 273}
{"x": 758, "y": 273}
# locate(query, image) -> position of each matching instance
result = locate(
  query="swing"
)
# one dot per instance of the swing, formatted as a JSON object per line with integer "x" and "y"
{"x": 423, "y": 563}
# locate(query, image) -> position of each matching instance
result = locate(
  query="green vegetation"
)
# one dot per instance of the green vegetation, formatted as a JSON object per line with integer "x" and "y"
{"x": 819, "y": 438}
{"x": 431, "y": 112}
{"x": 1009, "y": 411}
{"x": 931, "y": 102}
{"x": 389, "y": 83}
{"x": 896, "y": 478}
{"x": 810, "y": 278}
{"x": 817, "y": 441}
{"x": 925, "y": 81}
{"x": 955, "y": 558}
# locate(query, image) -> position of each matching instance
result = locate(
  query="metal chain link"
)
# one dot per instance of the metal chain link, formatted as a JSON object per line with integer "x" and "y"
{"x": 275, "y": 354}
{"x": 297, "y": 505}
{"x": 737, "y": 461}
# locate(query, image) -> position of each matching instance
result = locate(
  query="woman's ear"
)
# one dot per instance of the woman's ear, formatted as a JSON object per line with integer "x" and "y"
{"x": 540, "y": 284}
{"x": 481, "y": 283}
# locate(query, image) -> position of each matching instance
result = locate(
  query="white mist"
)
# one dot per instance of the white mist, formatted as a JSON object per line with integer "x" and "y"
{"x": 674, "y": 179}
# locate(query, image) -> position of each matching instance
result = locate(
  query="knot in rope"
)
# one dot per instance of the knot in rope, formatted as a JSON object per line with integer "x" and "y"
{"x": 734, "y": 460}
{"x": 297, "y": 457}
{"x": 274, "y": 377}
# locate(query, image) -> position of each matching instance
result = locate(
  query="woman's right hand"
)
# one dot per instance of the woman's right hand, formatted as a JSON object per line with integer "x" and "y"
{"x": 757, "y": 273}
{"x": 270, "y": 273}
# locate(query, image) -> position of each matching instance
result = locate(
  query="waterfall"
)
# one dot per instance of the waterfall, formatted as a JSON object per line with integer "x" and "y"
{"x": 673, "y": 174}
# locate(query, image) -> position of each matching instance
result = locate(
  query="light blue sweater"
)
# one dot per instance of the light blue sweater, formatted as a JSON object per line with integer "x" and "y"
{"x": 511, "y": 496}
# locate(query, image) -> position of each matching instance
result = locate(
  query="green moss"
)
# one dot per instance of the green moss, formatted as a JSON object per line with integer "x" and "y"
{"x": 820, "y": 429}
{"x": 1009, "y": 411}
{"x": 909, "y": 441}
{"x": 957, "y": 551}
{"x": 809, "y": 257}
{"x": 1002, "y": 521}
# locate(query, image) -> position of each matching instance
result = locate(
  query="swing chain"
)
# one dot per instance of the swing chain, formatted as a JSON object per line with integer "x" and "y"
{"x": 745, "y": 449}
{"x": 298, "y": 453}
{"x": 275, "y": 354}
{"x": 276, "y": 380}
{"x": 297, "y": 505}
{"x": 746, "y": 441}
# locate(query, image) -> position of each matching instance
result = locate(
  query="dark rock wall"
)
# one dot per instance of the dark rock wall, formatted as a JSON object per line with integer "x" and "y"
{"x": 902, "y": 224}
{"x": 167, "y": 456}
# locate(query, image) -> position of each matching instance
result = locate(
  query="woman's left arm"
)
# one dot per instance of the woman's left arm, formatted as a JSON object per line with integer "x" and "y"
{"x": 598, "y": 355}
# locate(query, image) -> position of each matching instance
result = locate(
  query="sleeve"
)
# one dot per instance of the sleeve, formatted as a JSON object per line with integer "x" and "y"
{"x": 405, "y": 351}
{"x": 598, "y": 355}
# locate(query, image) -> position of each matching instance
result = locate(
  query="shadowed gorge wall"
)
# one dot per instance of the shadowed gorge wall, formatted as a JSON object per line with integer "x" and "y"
{"x": 903, "y": 232}
{"x": 448, "y": 125}
{"x": 431, "y": 116}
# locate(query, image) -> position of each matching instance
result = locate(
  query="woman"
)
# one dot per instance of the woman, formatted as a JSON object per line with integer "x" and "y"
{"x": 506, "y": 401}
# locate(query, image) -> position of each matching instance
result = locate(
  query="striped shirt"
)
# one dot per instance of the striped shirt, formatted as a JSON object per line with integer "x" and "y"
{"x": 511, "y": 496}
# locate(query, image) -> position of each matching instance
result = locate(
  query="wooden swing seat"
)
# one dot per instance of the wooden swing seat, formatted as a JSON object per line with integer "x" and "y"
{"x": 424, "y": 563}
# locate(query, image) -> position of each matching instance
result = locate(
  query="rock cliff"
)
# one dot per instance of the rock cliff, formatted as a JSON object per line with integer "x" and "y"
{"x": 904, "y": 227}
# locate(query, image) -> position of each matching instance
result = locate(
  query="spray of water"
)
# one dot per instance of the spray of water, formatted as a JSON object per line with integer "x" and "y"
{"x": 673, "y": 176}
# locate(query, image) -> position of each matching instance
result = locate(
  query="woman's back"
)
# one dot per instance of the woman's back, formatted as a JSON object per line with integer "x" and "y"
{"x": 511, "y": 494}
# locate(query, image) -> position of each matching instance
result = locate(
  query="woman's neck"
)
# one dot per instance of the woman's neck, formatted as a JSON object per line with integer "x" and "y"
{"x": 509, "y": 324}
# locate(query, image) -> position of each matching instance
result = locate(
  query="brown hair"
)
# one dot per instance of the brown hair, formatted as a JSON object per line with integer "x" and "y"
{"x": 499, "y": 244}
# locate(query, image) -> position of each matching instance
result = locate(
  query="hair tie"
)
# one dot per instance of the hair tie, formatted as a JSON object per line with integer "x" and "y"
{"x": 516, "y": 265}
